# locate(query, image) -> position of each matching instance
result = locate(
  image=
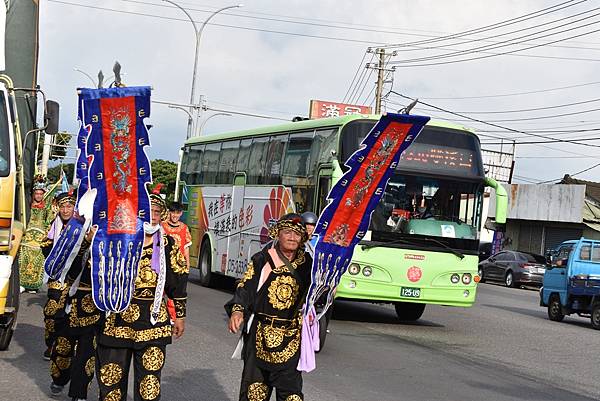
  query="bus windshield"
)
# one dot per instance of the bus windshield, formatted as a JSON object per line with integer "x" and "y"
{"x": 5, "y": 150}
{"x": 436, "y": 207}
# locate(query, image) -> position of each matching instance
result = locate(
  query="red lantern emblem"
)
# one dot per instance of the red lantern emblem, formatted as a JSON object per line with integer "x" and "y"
{"x": 414, "y": 274}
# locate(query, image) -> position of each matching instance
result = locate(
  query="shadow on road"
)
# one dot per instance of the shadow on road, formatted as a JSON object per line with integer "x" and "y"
{"x": 369, "y": 313}
{"x": 30, "y": 362}
{"x": 192, "y": 385}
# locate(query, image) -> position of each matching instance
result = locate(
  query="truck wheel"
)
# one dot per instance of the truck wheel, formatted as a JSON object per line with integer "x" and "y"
{"x": 555, "y": 309}
{"x": 595, "y": 318}
{"x": 206, "y": 276}
{"x": 509, "y": 280}
{"x": 5, "y": 337}
{"x": 408, "y": 311}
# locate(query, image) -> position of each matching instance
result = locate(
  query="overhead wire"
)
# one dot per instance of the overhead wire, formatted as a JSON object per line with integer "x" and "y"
{"x": 355, "y": 75}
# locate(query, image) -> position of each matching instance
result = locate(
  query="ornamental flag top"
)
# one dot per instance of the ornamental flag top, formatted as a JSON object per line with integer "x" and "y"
{"x": 345, "y": 220}
{"x": 119, "y": 171}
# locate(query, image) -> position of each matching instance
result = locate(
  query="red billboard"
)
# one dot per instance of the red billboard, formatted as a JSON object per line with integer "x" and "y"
{"x": 324, "y": 109}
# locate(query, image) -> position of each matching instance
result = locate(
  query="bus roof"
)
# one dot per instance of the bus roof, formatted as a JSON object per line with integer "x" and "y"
{"x": 308, "y": 124}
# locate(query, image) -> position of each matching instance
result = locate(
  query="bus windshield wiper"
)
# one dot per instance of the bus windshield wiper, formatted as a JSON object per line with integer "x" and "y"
{"x": 454, "y": 251}
{"x": 408, "y": 242}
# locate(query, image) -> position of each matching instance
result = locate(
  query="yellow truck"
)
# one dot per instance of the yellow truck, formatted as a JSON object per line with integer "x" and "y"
{"x": 19, "y": 140}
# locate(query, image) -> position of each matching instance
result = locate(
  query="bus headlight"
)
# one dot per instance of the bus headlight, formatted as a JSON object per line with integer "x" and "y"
{"x": 466, "y": 278}
{"x": 354, "y": 269}
{"x": 466, "y": 293}
{"x": 455, "y": 278}
{"x": 367, "y": 271}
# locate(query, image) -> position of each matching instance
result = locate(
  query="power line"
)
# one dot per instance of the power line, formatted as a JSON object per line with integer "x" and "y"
{"x": 494, "y": 43}
{"x": 501, "y": 53}
{"x": 355, "y": 75}
{"x": 574, "y": 174}
{"x": 513, "y": 94}
{"x": 488, "y": 27}
{"x": 332, "y": 38}
{"x": 510, "y": 42}
{"x": 496, "y": 125}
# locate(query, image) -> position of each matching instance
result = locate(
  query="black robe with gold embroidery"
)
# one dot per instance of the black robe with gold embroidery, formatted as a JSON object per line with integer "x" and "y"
{"x": 273, "y": 341}
{"x": 132, "y": 328}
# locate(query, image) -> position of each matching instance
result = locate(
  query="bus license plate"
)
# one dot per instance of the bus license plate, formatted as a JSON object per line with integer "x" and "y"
{"x": 408, "y": 292}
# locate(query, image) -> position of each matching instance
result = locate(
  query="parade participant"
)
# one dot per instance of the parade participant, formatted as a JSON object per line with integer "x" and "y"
{"x": 54, "y": 310}
{"x": 75, "y": 346}
{"x": 31, "y": 258}
{"x": 267, "y": 303}
{"x": 181, "y": 233}
{"x": 142, "y": 331}
{"x": 310, "y": 221}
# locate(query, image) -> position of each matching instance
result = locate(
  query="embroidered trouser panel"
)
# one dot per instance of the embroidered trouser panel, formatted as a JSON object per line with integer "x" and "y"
{"x": 73, "y": 359}
{"x": 258, "y": 384}
{"x": 54, "y": 313}
{"x": 113, "y": 372}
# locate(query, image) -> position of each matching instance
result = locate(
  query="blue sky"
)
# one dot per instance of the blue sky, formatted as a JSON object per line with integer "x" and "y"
{"x": 255, "y": 60}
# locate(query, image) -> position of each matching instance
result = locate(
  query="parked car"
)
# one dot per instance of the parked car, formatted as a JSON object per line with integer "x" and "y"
{"x": 572, "y": 281}
{"x": 513, "y": 268}
{"x": 485, "y": 250}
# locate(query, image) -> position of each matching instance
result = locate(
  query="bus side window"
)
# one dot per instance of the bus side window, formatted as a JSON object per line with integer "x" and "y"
{"x": 274, "y": 159}
{"x": 244, "y": 156}
{"x": 297, "y": 172}
{"x": 229, "y": 155}
{"x": 324, "y": 184}
{"x": 325, "y": 141}
{"x": 210, "y": 163}
{"x": 193, "y": 166}
{"x": 257, "y": 161}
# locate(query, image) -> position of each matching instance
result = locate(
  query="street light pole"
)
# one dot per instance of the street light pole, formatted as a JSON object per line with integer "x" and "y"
{"x": 211, "y": 116}
{"x": 87, "y": 75}
{"x": 198, "y": 32}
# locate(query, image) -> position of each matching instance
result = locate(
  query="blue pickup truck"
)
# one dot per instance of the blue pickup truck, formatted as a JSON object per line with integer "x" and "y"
{"x": 572, "y": 281}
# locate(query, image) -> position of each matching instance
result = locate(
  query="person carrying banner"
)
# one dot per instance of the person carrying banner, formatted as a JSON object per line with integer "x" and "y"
{"x": 310, "y": 221}
{"x": 31, "y": 258}
{"x": 140, "y": 333}
{"x": 54, "y": 310}
{"x": 73, "y": 354}
{"x": 267, "y": 307}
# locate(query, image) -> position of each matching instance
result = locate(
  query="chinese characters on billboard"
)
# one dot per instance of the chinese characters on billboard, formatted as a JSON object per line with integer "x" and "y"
{"x": 325, "y": 109}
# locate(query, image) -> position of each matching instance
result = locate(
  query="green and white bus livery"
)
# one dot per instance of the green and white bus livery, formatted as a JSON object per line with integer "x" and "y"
{"x": 422, "y": 246}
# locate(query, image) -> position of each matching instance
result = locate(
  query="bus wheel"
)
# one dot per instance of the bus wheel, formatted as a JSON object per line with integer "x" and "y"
{"x": 12, "y": 307}
{"x": 595, "y": 318}
{"x": 408, "y": 311}
{"x": 206, "y": 279}
{"x": 555, "y": 309}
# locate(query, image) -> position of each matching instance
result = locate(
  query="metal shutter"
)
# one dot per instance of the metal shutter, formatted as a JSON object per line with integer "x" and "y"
{"x": 555, "y": 235}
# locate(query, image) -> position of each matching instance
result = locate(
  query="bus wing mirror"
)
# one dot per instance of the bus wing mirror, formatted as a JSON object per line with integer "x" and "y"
{"x": 51, "y": 114}
{"x": 501, "y": 200}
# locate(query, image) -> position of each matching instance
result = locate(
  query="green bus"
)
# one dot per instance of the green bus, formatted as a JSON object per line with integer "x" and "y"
{"x": 422, "y": 244}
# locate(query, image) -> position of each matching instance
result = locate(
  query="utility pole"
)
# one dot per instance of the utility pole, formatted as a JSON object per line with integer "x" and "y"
{"x": 380, "y": 67}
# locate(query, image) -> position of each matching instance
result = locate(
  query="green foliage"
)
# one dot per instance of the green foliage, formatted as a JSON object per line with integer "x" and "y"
{"x": 165, "y": 172}
{"x": 58, "y": 149}
{"x": 54, "y": 172}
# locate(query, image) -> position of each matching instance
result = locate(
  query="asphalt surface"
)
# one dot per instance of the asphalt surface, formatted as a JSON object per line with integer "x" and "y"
{"x": 504, "y": 348}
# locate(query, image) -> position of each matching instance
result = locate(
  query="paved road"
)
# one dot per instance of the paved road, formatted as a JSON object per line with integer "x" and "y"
{"x": 503, "y": 348}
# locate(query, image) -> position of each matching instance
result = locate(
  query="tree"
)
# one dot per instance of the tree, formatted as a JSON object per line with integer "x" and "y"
{"x": 54, "y": 172}
{"x": 165, "y": 172}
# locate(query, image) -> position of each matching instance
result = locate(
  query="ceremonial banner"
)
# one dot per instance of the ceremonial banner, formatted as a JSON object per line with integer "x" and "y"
{"x": 118, "y": 172}
{"x": 81, "y": 168}
{"x": 345, "y": 220}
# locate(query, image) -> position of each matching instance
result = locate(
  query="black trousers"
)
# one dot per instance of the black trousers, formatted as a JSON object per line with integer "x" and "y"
{"x": 54, "y": 313}
{"x": 73, "y": 360}
{"x": 258, "y": 384}
{"x": 113, "y": 372}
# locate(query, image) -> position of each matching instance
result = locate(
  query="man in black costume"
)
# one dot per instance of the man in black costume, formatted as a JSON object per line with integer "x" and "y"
{"x": 143, "y": 330}
{"x": 54, "y": 310}
{"x": 267, "y": 303}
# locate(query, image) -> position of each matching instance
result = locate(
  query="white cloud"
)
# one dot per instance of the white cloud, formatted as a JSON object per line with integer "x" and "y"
{"x": 266, "y": 72}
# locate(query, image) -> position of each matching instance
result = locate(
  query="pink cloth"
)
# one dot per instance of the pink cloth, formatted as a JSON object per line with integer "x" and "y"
{"x": 310, "y": 342}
